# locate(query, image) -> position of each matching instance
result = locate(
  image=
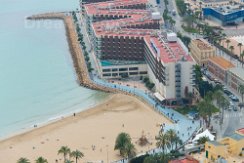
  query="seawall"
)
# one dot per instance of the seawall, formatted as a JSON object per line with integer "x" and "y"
{"x": 79, "y": 63}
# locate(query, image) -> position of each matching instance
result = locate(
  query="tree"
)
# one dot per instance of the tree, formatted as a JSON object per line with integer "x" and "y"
{"x": 217, "y": 95}
{"x": 129, "y": 150}
{"x": 241, "y": 90}
{"x": 65, "y": 151}
{"x": 123, "y": 144}
{"x": 163, "y": 142}
{"x": 69, "y": 161}
{"x": 171, "y": 135}
{"x": 77, "y": 155}
{"x": 239, "y": 45}
{"x": 227, "y": 42}
{"x": 23, "y": 160}
{"x": 200, "y": 4}
{"x": 177, "y": 141}
{"x": 242, "y": 56}
{"x": 202, "y": 140}
{"x": 181, "y": 6}
{"x": 231, "y": 49}
{"x": 206, "y": 109}
{"x": 41, "y": 160}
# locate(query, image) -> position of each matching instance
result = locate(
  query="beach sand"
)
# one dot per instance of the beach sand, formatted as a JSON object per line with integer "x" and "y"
{"x": 97, "y": 126}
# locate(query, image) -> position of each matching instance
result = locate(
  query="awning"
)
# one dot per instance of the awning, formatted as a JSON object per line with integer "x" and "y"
{"x": 206, "y": 133}
{"x": 158, "y": 96}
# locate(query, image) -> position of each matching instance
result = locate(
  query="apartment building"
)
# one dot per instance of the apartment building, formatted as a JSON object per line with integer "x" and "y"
{"x": 126, "y": 37}
{"x": 201, "y": 51}
{"x": 235, "y": 78}
{"x": 219, "y": 66}
{"x": 230, "y": 146}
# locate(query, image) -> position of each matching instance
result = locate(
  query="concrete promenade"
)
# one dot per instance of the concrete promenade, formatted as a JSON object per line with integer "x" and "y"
{"x": 184, "y": 127}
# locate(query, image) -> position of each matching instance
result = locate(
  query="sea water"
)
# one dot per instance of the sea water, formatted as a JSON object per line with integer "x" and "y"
{"x": 37, "y": 78}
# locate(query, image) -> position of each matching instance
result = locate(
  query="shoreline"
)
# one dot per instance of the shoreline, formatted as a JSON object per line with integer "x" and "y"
{"x": 122, "y": 113}
{"x": 51, "y": 120}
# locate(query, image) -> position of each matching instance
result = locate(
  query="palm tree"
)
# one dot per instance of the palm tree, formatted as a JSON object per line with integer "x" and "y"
{"x": 231, "y": 49}
{"x": 121, "y": 141}
{"x": 240, "y": 45}
{"x": 241, "y": 90}
{"x": 65, "y": 151}
{"x": 129, "y": 150}
{"x": 163, "y": 142}
{"x": 68, "y": 161}
{"x": 77, "y": 155}
{"x": 206, "y": 109}
{"x": 41, "y": 160}
{"x": 23, "y": 160}
{"x": 242, "y": 56}
{"x": 222, "y": 103}
{"x": 227, "y": 42}
{"x": 200, "y": 3}
{"x": 171, "y": 135}
{"x": 202, "y": 140}
{"x": 177, "y": 141}
{"x": 217, "y": 95}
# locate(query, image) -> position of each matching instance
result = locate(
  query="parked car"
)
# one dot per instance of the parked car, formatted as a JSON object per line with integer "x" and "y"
{"x": 235, "y": 108}
{"x": 234, "y": 98}
{"x": 231, "y": 106}
{"x": 227, "y": 92}
{"x": 224, "y": 88}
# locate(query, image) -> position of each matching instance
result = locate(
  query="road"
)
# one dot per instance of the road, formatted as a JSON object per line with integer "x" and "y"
{"x": 178, "y": 19}
{"x": 232, "y": 120}
{"x": 88, "y": 43}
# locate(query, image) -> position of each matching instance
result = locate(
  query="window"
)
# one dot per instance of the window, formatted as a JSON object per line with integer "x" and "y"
{"x": 115, "y": 74}
{"x": 123, "y": 69}
{"x": 133, "y": 68}
{"x": 143, "y": 72}
{"x": 133, "y": 73}
{"x": 114, "y": 69}
{"x": 106, "y": 70}
{"x": 107, "y": 74}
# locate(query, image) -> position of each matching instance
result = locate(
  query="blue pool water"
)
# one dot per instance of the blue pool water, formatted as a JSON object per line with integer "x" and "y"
{"x": 37, "y": 79}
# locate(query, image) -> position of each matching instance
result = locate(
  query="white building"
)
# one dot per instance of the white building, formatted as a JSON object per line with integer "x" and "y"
{"x": 170, "y": 67}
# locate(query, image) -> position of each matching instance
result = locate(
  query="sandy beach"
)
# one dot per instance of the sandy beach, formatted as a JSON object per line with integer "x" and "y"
{"x": 97, "y": 126}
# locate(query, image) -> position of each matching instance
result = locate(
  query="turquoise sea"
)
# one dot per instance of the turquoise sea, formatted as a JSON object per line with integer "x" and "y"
{"x": 37, "y": 79}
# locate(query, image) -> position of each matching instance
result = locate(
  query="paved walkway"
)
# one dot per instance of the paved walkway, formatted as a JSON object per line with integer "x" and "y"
{"x": 180, "y": 123}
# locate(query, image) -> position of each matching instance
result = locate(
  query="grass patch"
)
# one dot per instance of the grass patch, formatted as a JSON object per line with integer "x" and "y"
{"x": 186, "y": 109}
{"x": 189, "y": 29}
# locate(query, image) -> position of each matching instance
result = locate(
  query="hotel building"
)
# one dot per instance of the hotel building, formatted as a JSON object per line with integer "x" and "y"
{"x": 127, "y": 42}
{"x": 201, "y": 51}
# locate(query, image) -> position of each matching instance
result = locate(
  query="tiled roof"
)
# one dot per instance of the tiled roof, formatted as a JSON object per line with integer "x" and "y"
{"x": 221, "y": 62}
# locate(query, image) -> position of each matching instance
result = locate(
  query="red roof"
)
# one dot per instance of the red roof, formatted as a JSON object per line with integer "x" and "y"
{"x": 173, "y": 53}
{"x": 167, "y": 52}
{"x": 241, "y": 130}
{"x": 185, "y": 160}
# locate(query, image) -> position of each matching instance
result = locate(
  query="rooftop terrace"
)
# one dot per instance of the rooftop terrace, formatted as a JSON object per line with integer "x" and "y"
{"x": 224, "y": 10}
{"x": 221, "y": 62}
{"x": 202, "y": 45}
{"x": 169, "y": 51}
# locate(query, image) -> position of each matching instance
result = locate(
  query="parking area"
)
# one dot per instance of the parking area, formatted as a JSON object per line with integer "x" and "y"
{"x": 233, "y": 115}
